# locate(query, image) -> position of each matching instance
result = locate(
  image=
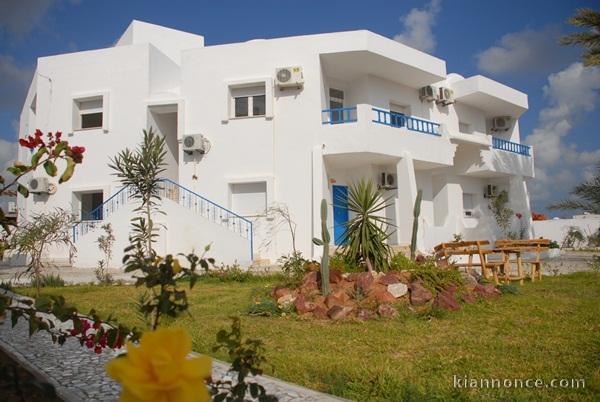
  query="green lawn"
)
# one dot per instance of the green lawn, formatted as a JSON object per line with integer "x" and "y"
{"x": 550, "y": 330}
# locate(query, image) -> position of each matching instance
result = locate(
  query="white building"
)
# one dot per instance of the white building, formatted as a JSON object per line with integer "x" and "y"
{"x": 355, "y": 110}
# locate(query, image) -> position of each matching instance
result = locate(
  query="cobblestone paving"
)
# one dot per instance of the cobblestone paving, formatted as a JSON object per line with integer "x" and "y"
{"x": 78, "y": 373}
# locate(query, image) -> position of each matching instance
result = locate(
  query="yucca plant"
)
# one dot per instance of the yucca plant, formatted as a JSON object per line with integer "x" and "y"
{"x": 366, "y": 232}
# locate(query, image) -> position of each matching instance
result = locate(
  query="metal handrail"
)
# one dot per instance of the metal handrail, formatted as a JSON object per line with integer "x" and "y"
{"x": 398, "y": 120}
{"x": 509, "y": 146}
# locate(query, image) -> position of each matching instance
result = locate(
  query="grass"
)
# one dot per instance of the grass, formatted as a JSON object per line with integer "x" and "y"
{"x": 551, "y": 329}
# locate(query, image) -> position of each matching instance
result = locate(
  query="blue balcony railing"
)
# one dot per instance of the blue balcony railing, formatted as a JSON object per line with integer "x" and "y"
{"x": 509, "y": 146}
{"x": 399, "y": 120}
{"x": 339, "y": 115}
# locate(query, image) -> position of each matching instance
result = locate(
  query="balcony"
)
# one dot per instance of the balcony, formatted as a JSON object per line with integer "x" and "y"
{"x": 509, "y": 146}
{"x": 364, "y": 128}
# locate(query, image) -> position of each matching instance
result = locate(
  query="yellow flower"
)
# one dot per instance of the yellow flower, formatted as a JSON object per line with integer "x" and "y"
{"x": 175, "y": 266}
{"x": 160, "y": 370}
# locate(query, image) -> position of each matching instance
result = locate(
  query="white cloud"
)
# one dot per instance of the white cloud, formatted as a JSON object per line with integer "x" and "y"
{"x": 18, "y": 18}
{"x": 418, "y": 25}
{"x": 14, "y": 80}
{"x": 527, "y": 51}
{"x": 571, "y": 94}
{"x": 8, "y": 152}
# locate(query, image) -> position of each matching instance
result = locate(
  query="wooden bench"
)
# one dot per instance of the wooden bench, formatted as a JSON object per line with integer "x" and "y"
{"x": 445, "y": 251}
{"x": 517, "y": 247}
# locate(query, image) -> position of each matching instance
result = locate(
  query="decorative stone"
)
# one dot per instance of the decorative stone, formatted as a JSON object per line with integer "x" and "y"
{"x": 280, "y": 291}
{"x": 286, "y": 299}
{"x": 468, "y": 278}
{"x": 331, "y": 300}
{"x": 389, "y": 278}
{"x": 419, "y": 294}
{"x": 303, "y": 306}
{"x": 335, "y": 276}
{"x": 446, "y": 300}
{"x": 382, "y": 296}
{"x": 468, "y": 297}
{"x": 320, "y": 312}
{"x": 397, "y": 289}
{"x": 387, "y": 311}
{"x": 364, "y": 281}
{"x": 487, "y": 291}
{"x": 339, "y": 312}
{"x": 365, "y": 314}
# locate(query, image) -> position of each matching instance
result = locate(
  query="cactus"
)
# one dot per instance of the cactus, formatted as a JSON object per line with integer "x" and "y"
{"x": 324, "y": 241}
{"x": 415, "y": 229}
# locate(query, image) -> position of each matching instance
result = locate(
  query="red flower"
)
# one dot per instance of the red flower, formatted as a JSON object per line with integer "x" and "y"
{"x": 89, "y": 343}
{"x": 58, "y": 135}
{"x": 77, "y": 150}
{"x": 519, "y": 215}
{"x": 98, "y": 349}
{"x": 26, "y": 143}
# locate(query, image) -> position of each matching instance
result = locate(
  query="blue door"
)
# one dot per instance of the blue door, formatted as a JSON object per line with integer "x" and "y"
{"x": 340, "y": 212}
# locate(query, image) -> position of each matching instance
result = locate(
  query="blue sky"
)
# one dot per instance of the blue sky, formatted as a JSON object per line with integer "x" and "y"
{"x": 513, "y": 42}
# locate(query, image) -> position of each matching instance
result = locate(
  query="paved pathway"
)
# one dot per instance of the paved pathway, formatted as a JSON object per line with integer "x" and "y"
{"x": 77, "y": 373}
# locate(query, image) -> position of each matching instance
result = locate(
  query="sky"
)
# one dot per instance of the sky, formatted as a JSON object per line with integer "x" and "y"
{"x": 514, "y": 42}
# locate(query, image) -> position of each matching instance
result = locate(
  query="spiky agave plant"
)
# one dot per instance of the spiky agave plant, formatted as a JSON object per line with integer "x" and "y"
{"x": 366, "y": 233}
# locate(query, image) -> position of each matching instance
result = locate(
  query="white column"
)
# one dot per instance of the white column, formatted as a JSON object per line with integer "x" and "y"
{"x": 519, "y": 202}
{"x": 407, "y": 193}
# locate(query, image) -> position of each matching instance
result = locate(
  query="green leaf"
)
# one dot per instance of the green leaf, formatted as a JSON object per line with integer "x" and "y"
{"x": 36, "y": 156}
{"x": 23, "y": 190}
{"x": 50, "y": 168}
{"x": 68, "y": 173}
{"x": 43, "y": 303}
{"x": 61, "y": 146}
{"x": 317, "y": 242}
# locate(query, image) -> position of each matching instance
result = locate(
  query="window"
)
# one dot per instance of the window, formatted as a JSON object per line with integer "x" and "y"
{"x": 464, "y": 127}
{"x": 336, "y": 98}
{"x": 249, "y": 199}
{"x": 395, "y": 111}
{"x": 88, "y": 113}
{"x": 249, "y": 101}
{"x": 468, "y": 204}
{"x": 90, "y": 203}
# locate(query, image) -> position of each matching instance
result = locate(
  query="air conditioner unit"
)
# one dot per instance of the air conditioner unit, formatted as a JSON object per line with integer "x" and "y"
{"x": 388, "y": 181}
{"x": 289, "y": 77}
{"x": 194, "y": 143}
{"x": 427, "y": 93}
{"x": 501, "y": 123}
{"x": 12, "y": 207}
{"x": 445, "y": 96}
{"x": 489, "y": 191}
{"x": 39, "y": 185}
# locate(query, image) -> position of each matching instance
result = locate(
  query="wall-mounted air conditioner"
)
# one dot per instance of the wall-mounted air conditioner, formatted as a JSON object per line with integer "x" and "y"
{"x": 445, "y": 96}
{"x": 427, "y": 93}
{"x": 501, "y": 123}
{"x": 289, "y": 77}
{"x": 39, "y": 185}
{"x": 489, "y": 191}
{"x": 195, "y": 143}
{"x": 388, "y": 181}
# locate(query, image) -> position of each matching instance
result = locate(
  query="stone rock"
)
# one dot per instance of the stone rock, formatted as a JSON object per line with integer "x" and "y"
{"x": 331, "y": 300}
{"x": 286, "y": 299}
{"x": 303, "y": 306}
{"x": 468, "y": 297}
{"x": 397, "y": 289}
{"x": 347, "y": 286}
{"x": 387, "y": 311}
{"x": 352, "y": 277}
{"x": 468, "y": 278}
{"x": 442, "y": 263}
{"x": 487, "y": 291}
{"x": 341, "y": 295}
{"x": 280, "y": 291}
{"x": 339, "y": 312}
{"x": 335, "y": 276}
{"x": 404, "y": 277}
{"x": 446, "y": 300}
{"x": 365, "y": 314}
{"x": 420, "y": 259}
{"x": 320, "y": 312}
{"x": 419, "y": 294}
{"x": 382, "y": 296}
{"x": 364, "y": 281}
{"x": 389, "y": 279}
{"x": 311, "y": 277}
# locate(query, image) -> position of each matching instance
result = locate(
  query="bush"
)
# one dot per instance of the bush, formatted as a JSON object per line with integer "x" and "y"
{"x": 268, "y": 308}
{"x": 229, "y": 273}
{"x": 48, "y": 281}
{"x": 434, "y": 278}
{"x": 102, "y": 274}
{"x": 340, "y": 262}
{"x": 401, "y": 262}
{"x": 294, "y": 266}
{"x": 6, "y": 285}
{"x": 508, "y": 289}
{"x": 595, "y": 264}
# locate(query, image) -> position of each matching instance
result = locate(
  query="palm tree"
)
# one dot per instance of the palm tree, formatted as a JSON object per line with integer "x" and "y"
{"x": 586, "y": 18}
{"x": 366, "y": 233}
{"x": 588, "y": 196}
